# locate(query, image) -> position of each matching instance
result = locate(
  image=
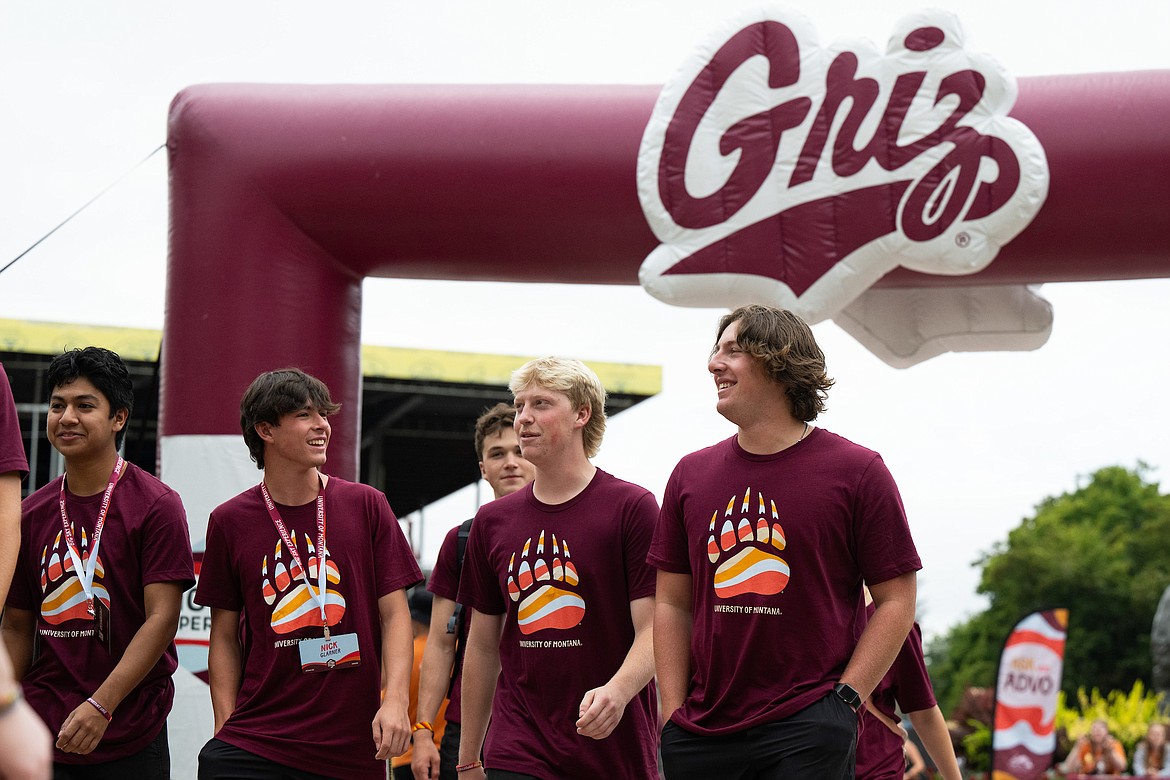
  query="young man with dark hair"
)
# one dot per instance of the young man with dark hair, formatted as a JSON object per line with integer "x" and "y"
{"x": 563, "y": 602}
{"x": 503, "y": 466}
{"x": 762, "y": 546}
{"x": 105, "y": 557}
{"x": 306, "y": 577}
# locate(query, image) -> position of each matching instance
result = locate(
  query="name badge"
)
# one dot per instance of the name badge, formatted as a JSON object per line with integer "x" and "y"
{"x": 101, "y": 624}
{"x": 324, "y": 655}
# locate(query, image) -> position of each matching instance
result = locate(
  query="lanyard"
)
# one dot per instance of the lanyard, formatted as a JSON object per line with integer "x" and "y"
{"x": 319, "y": 596}
{"x": 85, "y": 572}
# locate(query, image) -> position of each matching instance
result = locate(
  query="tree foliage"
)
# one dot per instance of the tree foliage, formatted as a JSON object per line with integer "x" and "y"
{"x": 1103, "y": 551}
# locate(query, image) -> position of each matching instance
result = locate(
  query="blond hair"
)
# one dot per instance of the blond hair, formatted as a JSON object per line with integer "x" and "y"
{"x": 577, "y": 381}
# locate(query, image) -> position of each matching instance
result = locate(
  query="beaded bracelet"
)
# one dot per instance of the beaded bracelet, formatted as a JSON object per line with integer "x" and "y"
{"x": 9, "y": 700}
{"x": 105, "y": 713}
{"x": 466, "y": 767}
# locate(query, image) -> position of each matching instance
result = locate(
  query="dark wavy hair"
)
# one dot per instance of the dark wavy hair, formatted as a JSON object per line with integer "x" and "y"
{"x": 498, "y": 418}
{"x": 104, "y": 370}
{"x": 786, "y": 348}
{"x": 274, "y": 394}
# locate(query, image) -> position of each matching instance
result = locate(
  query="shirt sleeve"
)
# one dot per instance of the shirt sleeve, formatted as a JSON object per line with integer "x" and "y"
{"x": 445, "y": 576}
{"x": 218, "y": 586}
{"x": 639, "y": 528}
{"x": 479, "y": 586}
{"x": 396, "y": 566}
{"x": 166, "y": 543}
{"x": 913, "y": 690}
{"x": 885, "y": 547}
{"x": 668, "y": 548}
{"x": 20, "y": 592}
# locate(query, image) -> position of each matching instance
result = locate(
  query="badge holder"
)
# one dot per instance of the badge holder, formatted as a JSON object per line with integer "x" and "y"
{"x": 324, "y": 654}
{"x": 101, "y": 623}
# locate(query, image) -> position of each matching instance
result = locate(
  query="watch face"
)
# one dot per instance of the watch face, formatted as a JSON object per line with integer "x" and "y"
{"x": 849, "y": 695}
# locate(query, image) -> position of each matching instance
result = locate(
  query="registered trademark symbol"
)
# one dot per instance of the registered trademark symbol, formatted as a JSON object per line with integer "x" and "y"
{"x": 962, "y": 239}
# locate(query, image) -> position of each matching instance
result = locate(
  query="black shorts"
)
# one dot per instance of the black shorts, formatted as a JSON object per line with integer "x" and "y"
{"x": 818, "y": 742}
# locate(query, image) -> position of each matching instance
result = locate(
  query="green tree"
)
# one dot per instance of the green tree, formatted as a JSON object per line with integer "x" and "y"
{"x": 1101, "y": 551}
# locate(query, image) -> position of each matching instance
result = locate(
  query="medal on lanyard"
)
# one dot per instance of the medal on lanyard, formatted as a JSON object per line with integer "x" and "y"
{"x": 87, "y": 568}
{"x": 332, "y": 652}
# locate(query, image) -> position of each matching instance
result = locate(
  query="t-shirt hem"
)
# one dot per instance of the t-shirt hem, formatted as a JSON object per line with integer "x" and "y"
{"x": 771, "y": 716}
{"x": 300, "y": 761}
{"x": 665, "y": 565}
{"x": 184, "y": 578}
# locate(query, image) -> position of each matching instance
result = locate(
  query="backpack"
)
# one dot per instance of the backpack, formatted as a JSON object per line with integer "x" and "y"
{"x": 455, "y": 623}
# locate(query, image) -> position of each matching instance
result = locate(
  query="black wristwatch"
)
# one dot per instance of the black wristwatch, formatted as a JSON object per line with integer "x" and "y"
{"x": 848, "y": 695}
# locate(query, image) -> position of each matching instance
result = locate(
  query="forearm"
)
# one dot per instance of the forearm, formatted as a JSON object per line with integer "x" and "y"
{"x": 438, "y": 661}
{"x": 397, "y": 658}
{"x": 672, "y": 640}
{"x": 637, "y": 669}
{"x": 1115, "y": 757}
{"x": 932, "y": 729}
{"x": 17, "y": 631}
{"x": 225, "y": 665}
{"x": 9, "y": 530}
{"x": 435, "y": 675}
{"x": 143, "y": 652}
{"x": 481, "y": 668}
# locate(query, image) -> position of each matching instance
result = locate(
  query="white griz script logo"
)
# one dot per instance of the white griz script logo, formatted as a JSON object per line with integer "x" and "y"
{"x": 938, "y": 198}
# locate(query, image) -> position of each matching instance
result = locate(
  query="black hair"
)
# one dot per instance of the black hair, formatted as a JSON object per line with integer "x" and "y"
{"x": 104, "y": 370}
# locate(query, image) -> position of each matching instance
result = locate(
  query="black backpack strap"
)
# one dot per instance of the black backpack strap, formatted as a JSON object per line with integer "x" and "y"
{"x": 455, "y": 624}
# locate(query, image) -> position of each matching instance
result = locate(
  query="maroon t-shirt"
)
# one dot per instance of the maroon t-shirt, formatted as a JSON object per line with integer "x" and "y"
{"x": 12, "y": 456}
{"x": 319, "y": 722}
{"x": 144, "y": 541}
{"x": 563, "y": 577}
{"x": 906, "y": 686}
{"x": 445, "y": 583}
{"x": 778, "y": 546}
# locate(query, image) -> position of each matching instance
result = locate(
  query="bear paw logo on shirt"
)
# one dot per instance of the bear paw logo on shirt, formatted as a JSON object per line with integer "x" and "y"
{"x": 64, "y": 598}
{"x": 296, "y": 608}
{"x": 747, "y": 550}
{"x": 541, "y": 587}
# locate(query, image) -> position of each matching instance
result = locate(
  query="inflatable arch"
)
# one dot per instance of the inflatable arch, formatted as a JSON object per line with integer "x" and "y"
{"x": 283, "y": 198}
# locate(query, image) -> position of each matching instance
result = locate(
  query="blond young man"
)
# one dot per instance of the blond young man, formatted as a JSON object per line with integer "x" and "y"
{"x": 505, "y": 469}
{"x": 563, "y": 602}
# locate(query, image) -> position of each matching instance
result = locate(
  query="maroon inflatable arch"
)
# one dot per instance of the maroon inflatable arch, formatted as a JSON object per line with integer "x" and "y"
{"x": 284, "y": 197}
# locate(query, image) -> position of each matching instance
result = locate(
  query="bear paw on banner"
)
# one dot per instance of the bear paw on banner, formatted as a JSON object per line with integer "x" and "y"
{"x": 776, "y": 171}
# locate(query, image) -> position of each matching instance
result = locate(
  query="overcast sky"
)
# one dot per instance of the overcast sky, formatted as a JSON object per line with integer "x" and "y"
{"x": 975, "y": 441}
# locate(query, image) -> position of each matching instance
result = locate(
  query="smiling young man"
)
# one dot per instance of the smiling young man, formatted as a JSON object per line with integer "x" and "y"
{"x": 305, "y": 574}
{"x": 105, "y": 556}
{"x": 762, "y": 546}
{"x": 563, "y": 602}
{"x": 505, "y": 469}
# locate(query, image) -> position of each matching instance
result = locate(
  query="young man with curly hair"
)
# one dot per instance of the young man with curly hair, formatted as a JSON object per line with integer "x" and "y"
{"x": 762, "y": 547}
